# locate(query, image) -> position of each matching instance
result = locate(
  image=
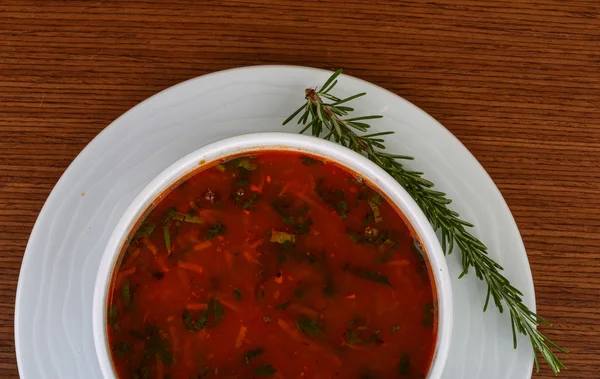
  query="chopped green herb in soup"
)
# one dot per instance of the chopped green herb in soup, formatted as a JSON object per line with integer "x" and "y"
{"x": 275, "y": 265}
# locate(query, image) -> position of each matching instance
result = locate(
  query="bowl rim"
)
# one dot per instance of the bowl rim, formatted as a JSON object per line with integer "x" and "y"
{"x": 278, "y": 141}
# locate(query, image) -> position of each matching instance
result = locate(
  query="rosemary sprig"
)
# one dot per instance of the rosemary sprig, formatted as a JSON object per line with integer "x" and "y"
{"x": 323, "y": 112}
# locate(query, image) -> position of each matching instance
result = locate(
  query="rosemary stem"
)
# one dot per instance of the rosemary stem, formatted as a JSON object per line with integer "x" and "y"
{"x": 319, "y": 116}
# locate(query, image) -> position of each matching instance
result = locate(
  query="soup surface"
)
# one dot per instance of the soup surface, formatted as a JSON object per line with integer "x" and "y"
{"x": 272, "y": 265}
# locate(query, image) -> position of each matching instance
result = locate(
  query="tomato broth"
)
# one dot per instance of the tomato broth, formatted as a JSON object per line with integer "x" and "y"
{"x": 275, "y": 264}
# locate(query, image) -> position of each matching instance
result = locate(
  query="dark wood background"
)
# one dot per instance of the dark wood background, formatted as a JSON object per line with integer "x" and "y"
{"x": 517, "y": 81}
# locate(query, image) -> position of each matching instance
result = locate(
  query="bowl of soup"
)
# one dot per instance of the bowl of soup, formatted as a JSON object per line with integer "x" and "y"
{"x": 272, "y": 255}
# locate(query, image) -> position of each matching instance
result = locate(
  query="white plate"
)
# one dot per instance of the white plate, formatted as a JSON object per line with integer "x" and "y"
{"x": 53, "y": 320}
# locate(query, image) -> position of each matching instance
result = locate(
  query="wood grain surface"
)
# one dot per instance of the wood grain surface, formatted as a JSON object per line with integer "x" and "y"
{"x": 517, "y": 81}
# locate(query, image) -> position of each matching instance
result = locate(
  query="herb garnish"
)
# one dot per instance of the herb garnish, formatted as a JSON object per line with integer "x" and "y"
{"x": 126, "y": 293}
{"x": 309, "y": 327}
{"x": 374, "y": 338}
{"x": 216, "y": 229}
{"x": 245, "y": 162}
{"x": 194, "y": 325}
{"x": 242, "y": 166}
{"x": 167, "y": 236}
{"x": 300, "y": 292}
{"x": 367, "y": 275}
{"x": 184, "y": 217}
{"x": 285, "y": 210}
{"x": 376, "y": 198}
{"x": 155, "y": 345}
{"x": 238, "y": 294}
{"x": 204, "y": 373}
{"x": 389, "y": 248}
{"x": 169, "y": 216}
{"x": 282, "y": 307}
{"x": 217, "y": 309}
{"x": 376, "y": 213}
{"x": 303, "y": 227}
{"x": 259, "y": 292}
{"x": 328, "y": 118}
{"x": 395, "y": 328}
{"x": 241, "y": 183}
{"x": 113, "y": 312}
{"x": 241, "y": 198}
{"x": 309, "y": 161}
{"x": 264, "y": 370}
{"x": 282, "y": 237}
{"x": 282, "y": 209}
{"x": 335, "y": 199}
{"x": 212, "y": 316}
{"x": 428, "y": 315}
{"x": 282, "y": 258}
{"x": 404, "y": 365}
{"x": 121, "y": 349}
{"x": 249, "y": 203}
{"x": 145, "y": 229}
{"x": 252, "y": 354}
{"x": 352, "y": 338}
{"x": 369, "y": 236}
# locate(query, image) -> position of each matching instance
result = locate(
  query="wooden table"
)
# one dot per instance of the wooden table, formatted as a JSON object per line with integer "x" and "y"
{"x": 517, "y": 81}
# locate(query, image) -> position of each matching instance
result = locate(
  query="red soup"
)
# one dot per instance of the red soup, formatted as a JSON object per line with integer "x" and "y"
{"x": 272, "y": 265}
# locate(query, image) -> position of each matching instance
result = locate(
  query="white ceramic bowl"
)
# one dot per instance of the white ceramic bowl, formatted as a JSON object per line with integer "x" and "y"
{"x": 276, "y": 141}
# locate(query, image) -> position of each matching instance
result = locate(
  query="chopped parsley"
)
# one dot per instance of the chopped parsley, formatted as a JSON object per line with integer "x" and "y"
{"x": 113, "y": 312}
{"x": 212, "y": 316}
{"x": 194, "y": 325}
{"x": 376, "y": 199}
{"x": 376, "y": 213}
{"x": 282, "y": 237}
{"x": 216, "y": 229}
{"x": 145, "y": 229}
{"x": 252, "y": 354}
{"x": 244, "y": 200}
{"x": 310, "y": 327}
{"x": 169, "y": 216}
{"x": 404, "y": 365}
{"x": 247, "y": 163}
{"x": 389, "y": 248}
{"x": 264, "y": 370}
{"x": 121, "y": 349}
{"x": 156, "y": 345}
{"x": 282, "y": 307}
{"x": 282, "y": 208}
{"x": 249, "y": 203}
{"x": 184, "y": 217}
{"x": 368, "y": 275}
{"x": 352, "y": 338}
{"x": 335, "y": 199}
{"x": 217, "y": 309}
{"x": 303, "y": 227}
{"x": 428, "y": 315}
{"x": 309, "y": 161}
{"x": 167, "y": 236}
{"x": 238, "y": 294}
{"x": 374, "y": 338}
{"x": 126, "y": 293}
{"x": 300, "y": 292}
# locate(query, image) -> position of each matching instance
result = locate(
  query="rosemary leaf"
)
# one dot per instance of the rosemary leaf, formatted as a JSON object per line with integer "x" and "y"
{"x": 326, "y": 117}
